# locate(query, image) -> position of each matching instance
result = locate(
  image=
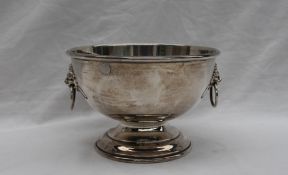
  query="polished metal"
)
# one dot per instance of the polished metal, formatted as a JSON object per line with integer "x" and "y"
{"x": 143, "y": 86}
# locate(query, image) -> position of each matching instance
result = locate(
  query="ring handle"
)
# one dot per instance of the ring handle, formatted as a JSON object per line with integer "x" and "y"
{"x": 214, "y": 95}
{"x": 72, "y": 83}
{"x": 213, "y": 87}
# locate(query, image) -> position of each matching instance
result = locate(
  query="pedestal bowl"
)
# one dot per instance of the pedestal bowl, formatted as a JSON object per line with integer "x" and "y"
{"x": 143, "y": 86}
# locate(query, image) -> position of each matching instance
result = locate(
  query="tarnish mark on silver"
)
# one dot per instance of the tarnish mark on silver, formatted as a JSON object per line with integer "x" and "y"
{"x": 105, "y": 68}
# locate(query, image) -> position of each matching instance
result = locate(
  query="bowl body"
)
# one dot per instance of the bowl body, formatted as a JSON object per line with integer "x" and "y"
{"x": 143, "y": 87}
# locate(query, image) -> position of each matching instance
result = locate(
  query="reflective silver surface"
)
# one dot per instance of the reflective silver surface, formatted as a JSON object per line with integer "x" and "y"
{"x": 143, "y": 86}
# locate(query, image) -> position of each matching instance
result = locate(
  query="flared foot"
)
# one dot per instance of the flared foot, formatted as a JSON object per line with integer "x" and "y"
{"x": 143, "y": 145}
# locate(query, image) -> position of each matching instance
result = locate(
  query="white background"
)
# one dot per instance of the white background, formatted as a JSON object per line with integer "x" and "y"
{"x": 246, "y": 135}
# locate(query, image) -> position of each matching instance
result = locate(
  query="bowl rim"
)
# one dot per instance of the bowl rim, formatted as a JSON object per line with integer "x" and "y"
{"x": 72, "y": 52}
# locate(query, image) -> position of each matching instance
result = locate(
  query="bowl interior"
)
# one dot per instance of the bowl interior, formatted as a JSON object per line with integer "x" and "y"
{"x": 145, "y": 50}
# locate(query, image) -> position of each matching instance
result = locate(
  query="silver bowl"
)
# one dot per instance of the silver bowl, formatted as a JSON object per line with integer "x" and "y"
{"x": 143, "y": 86}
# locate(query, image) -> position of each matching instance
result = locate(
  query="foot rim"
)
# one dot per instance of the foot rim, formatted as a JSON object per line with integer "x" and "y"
{"x": 143, "y": 160}
{"x": 144, "y": 152}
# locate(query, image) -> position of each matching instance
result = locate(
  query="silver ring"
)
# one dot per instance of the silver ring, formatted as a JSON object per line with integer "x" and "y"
{"x": 214, "y": 95}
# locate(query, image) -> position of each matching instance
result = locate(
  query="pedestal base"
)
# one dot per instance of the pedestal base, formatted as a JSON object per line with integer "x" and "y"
{"x": 143, "y": 145}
